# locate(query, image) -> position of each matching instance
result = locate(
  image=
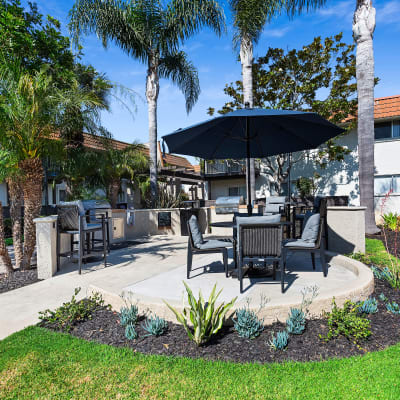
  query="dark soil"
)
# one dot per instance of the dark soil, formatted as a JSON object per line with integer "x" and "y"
{"x": 17, "y": 279}
{"x": 391, "y": 239}
{"x": 105, "y": 328}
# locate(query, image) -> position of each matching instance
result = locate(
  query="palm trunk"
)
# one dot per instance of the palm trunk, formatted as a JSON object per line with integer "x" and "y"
{"x": 363, "y": 30}
{"x": 152, "y": 89}
{"x": 32, "y": 189}
{"x": 4, "y": 256}
{"x": 15, "y": 192}
{"x": 246, "y": 58}
{"x": 113, "y": 192}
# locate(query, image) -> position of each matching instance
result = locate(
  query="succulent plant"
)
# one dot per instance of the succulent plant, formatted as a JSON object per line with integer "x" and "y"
{"x": 130, "y": 332}
{"x": 280, "y": 341}
{"x": 369, "y": 306}
{"x": 155, "y": 326}
{"x": 296, "y": 322}
{"x": 129, "y": 315}
{"x": 247, "y": 324}
{"x": 393, "y": 307}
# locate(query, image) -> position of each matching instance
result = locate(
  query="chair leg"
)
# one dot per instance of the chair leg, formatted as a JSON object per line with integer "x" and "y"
{"x": 240, "y": 276}
{"x": 189, "y": 261}
{"x": 225, "y": 260}
{"x": 58, "y": 248}
{"x": 105, "y": 250}
{"x": 313, "y": 261}
{"x": 274, "y": 270}
{"x": 282, "y": 263}
{"x": 80, "y": 251}
{"x": 323, "y": 262}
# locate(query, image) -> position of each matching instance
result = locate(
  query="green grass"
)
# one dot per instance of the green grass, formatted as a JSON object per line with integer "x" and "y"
{"x": 39, "y": 364}
{"x": 375, "y": 253}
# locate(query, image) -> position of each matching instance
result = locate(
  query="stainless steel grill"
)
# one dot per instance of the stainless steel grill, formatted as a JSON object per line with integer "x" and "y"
{"x": 97, "y": 207}
{"x": 228, "y": 204}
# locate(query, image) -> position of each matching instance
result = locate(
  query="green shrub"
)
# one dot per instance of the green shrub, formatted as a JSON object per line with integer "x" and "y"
{"x": 348, "y": 322}
{"x": 130, "y": 332}
{"x": 155, "y": 326}
{"x": 280, "y": 341}
{"x": 72, "y": 312}
{"x": 369, "y": 306}
{"x": 382, "y": 297}
{"x": 206, "y": 318}
{"x": 393, "y": 307}
{"x": 247, "y": 324}
{"x": 129, "y": 315}
{"x": 391, "y": 221}
{"x": 296, "y": 322}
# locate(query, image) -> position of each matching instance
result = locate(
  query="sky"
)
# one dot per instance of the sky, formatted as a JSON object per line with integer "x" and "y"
{"x": 218, "y": 64}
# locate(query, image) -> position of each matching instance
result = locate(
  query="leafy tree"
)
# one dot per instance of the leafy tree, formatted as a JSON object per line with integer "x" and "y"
{"x": 363, "y": 33}
{"x": 319, "y": 77}
{"x": 250, "y": 17}
{"x": 152, "y": 32}
{"x": 31, "y": 110}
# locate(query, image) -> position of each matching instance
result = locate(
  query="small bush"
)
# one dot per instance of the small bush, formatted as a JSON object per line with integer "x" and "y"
{"x": 129, "y": 315}
{"x": 155, "y": 326}
{"x": 72, "y": 312}
{"x": 296, "y": 322}
{"x": 280, "y": 341}
{"x": 247, "y": 324}
{"x": 348, "y": 322}
{"x": 391, "y": 221}
{"x": 369, "y": 306}
{"x": 130, "y": 332}
{"x": 206, "y": 318}
{"x": 393, "y": 307}
{"x": 382, "y": 297}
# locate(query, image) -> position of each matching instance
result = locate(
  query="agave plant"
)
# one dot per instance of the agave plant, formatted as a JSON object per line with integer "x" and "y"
{"x": 206, "y": 318}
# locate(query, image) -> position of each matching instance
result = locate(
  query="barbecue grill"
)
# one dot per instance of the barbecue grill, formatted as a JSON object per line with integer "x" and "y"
{"x": 228, "y": 204}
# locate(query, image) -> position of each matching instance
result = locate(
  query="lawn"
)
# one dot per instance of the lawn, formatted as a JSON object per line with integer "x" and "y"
{"x": 375, "y": 253}
{"x": 39, "y": 364}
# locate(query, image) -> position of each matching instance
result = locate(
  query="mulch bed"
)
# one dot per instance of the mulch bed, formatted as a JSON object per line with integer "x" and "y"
{"x": 17, "y": 279}
{"x": 105, "y": 328}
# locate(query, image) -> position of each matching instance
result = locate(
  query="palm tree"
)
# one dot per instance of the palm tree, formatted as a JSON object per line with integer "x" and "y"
{"x": 116, "y": 164}
{"x": 151, "y": 32}
{"x": 250, "y": 17}
{"x": 31, "y": 107}
{"x": 363, "y": 32}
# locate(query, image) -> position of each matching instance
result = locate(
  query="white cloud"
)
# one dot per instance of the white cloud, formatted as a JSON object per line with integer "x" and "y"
{"x": 389, "y": 13}
{"x": 277, "y": 32}
{"x": 343, "y": 9}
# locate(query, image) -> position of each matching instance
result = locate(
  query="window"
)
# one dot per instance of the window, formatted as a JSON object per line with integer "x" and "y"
{"x": 383, "y": 184}
{"x": 387, "y": 130}
{"x": 237, "y": 191}
{"x": 62, "y": 195}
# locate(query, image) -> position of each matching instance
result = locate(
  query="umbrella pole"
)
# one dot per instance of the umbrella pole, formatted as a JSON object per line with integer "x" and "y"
{"x": 249, "y": 205}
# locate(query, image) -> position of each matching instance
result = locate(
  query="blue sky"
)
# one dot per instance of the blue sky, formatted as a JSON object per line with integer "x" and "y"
{"x": 217, "y": 63}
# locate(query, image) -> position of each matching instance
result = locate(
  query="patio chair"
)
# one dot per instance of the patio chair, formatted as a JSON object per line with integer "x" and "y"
{"x": 197, "y": 245}
{"x": 258, "y": 242}
{"x": 311, "y": 241}
{"x": 72, "y": 220}
{"x": 275, "y": 205}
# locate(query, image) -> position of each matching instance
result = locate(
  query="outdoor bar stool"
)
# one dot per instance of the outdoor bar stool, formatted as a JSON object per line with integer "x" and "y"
{"x": 197, "y": 245}
{"x": 312, "y": 241}
{"x": 258, "y": 242}
{"x": 72, "y": 220}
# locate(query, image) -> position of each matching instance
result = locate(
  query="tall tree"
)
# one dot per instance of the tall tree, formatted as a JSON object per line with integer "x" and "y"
{"x": 250, "y": 17}
{"x": 31, "y": 108}
{"x": 363, "y": 33}
{"x": 152, "y": 32}
{"x": 295, "y": 80}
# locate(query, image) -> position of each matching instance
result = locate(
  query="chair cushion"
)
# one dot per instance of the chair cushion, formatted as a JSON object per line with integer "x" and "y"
{"x": 275, "y": 200}
{"x": 93, "y": 226}
{"x": 273, "y": 208}
{"x": 214, "y": 244}
{"x": 311, "y": 227}
{"x": 197, "y": 236}
{"x": 298, "y": 243}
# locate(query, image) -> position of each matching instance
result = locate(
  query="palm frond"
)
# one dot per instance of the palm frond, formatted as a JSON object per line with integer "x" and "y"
{"x": 294, "y": 7}
{"x": 183, "y": 74}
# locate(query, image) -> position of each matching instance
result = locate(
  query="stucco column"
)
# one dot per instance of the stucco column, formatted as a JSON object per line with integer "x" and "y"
{"x": 46, "y": 238}
{"x": 346, "y": 229}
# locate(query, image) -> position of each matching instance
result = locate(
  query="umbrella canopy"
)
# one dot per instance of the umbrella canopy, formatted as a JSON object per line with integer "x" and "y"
{"x": 252, "y": 133}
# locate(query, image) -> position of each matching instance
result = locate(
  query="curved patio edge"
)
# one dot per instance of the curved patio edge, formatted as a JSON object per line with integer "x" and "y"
{"x": 272, "y": 312}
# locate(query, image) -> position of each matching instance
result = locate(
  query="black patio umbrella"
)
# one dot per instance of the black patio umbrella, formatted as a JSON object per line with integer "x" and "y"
{"x": 252, "y": 133}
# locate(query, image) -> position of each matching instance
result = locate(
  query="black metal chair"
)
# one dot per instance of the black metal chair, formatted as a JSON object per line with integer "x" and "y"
{"x": 71, "y": 221}
{"x": 258, "y": 242}
{"x": 207, "y": 246}
{"x": 298, "y": 245}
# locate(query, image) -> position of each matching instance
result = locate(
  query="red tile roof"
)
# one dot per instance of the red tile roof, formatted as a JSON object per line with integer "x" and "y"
{"x": 387, "y": 107}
